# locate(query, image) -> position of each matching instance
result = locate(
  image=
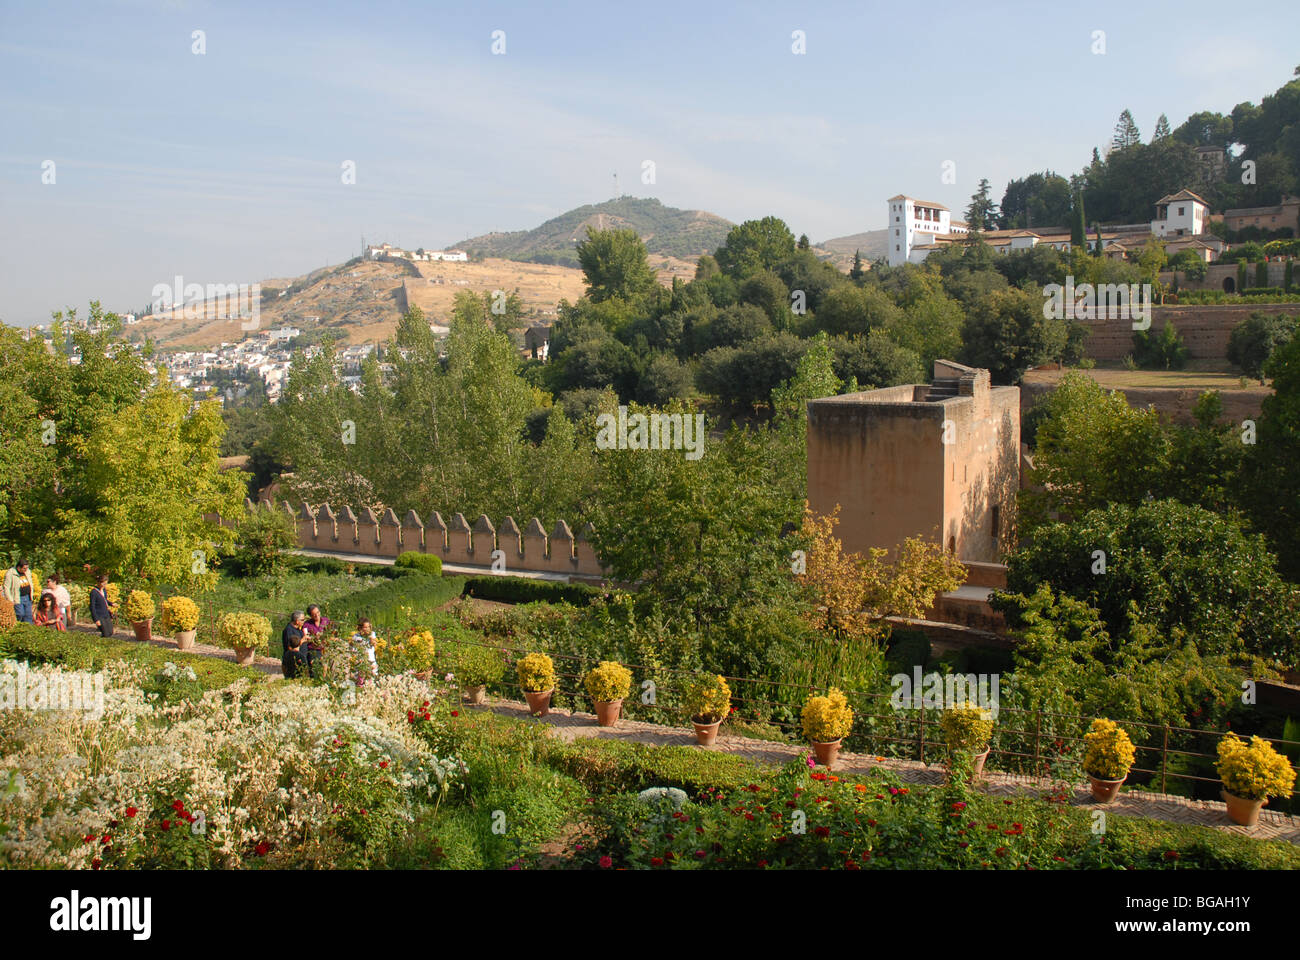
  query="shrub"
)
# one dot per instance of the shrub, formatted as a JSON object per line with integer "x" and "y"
{"x": 139, "y": 607}
{"x": 265, "y": 539}
{"x": 827, "y": 718}
{"x": 424, "y": 562}
{"x": 7, "y": 618}
{"x": 707, "y": 698}
{"x": 1253, "y": 340}
{"x": 413, "y": 594}
{"x": 1108, "y": 751}
{"x": 412, "y": 650}
{"x": 608, "y": 681}
{"x": 179, "y": 613}
{"x": 78, "y": 597}
{"x": 473, "y": 665}
{"x": 523, "y": 590}
{"x": 966, "y": 729}
{"x": 1163, "y": 351}
{"x": 536, "y": 672}
{"x": 1253, "y": 772}
{"x": 244, "y": 630}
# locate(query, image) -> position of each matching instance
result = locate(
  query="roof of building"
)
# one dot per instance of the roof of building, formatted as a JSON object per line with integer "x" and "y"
{"x": 1182, "y": 195}
{"x": 919, "y": 203}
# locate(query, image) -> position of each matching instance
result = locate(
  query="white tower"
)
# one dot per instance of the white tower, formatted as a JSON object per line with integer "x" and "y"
{"x": 913, "y": 224}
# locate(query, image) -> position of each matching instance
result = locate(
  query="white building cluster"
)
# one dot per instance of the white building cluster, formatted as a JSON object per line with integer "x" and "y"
{"x": 388, "y": 250}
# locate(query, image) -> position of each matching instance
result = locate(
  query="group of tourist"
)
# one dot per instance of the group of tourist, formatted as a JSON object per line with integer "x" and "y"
{"x": 302, "y": 638}
{"x": 54, "y": 606}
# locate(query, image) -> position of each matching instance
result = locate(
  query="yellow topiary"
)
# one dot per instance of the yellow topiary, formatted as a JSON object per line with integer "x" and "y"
{"x": 179, "y": 614}
{"x": 139, "y": 607}
{"x": 1108, "y": 751}
{"x": 244, "y": 630}
{"x": 827, "y": 718}
{"x": 1256, "y": 771}
{"x": 114, "y": 594}
{"x": 7, "y": 618}
{"x": 966, "y": 729}
{"x": 707, "y": 698}
{"x": 608, "y": 681}
{"x": 536, "y": 673}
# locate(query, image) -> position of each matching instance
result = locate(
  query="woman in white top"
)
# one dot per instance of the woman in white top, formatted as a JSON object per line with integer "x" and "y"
{"x": 365, "y": 639}
{"x": 55, "y": 586}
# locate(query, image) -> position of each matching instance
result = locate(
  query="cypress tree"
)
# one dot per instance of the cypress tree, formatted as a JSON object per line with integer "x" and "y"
{"x": 1261, "y": 273}
{"x": 1286, "y": 277}
{"x": 1241, "y": 275}
{"x": 1077, "y": 226}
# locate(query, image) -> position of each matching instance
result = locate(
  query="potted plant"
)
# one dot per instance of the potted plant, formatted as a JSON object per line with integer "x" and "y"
{"x": 608, "y": 684}
{"x": 180, "y": 617}
{"x": 474, "y": 667}
{"x": 139, "y": 611}
{"x": 537, "y": 679}
{"x": 1251, "y": 774}
{"x": 826, "y": 722}
{"x": 707, "y": 699}
{"x": 966, "y": 730}
{"x": 1107, "y": 758}
{"x": 411, "y": 651}
{"x": 248, "y": 634}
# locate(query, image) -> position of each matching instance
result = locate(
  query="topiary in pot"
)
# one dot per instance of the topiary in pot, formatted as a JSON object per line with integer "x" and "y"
{"x": 608, "y": 684}
{"x": 536, "y": 674}
{"x": 248, "y": 634}
{"x": 180, "y": 617}
{"x": 474, "y": 667}
{"x": 1108, "y": 757}
{"x": 826, "y": 722}
{"x": 966, "y": 731}
{"x": 139, "y": 612}
{"x": 707, "y": 699}
{"x": 1251, "y": 774}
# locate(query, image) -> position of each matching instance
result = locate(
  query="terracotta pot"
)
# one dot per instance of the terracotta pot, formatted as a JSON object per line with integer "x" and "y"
{"x": 1243, "y": 810}
{"x": 539, "y": 701}
{"x": 423, "y": 674}
{"x": 1104, "y": 791}
{"x": 244, "y": 656}
{"x": 185, "y": 639}
{"x": 143, "y": 629}
{"x": 976, "y": 763}
{"x": 607, "y": 712}
{"x": 476, "y": 694}
{"x": 827, "y": 752}
{"x": 706, "y": 733}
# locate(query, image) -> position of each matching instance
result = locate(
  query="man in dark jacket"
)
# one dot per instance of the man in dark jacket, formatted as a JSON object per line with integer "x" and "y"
{"x": 101, "y": 610}
{"x": 293, "y": 659}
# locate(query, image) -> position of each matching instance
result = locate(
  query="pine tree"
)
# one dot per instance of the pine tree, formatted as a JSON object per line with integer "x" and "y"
{"x": 804, "y": 243}
{"x": 1162, "y": 129}
{"x": 1126, "y": 132}
{"x": 857, "y": 272}
{"x": 982, "y": 210}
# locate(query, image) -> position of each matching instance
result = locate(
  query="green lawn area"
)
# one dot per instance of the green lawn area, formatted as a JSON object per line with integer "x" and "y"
{"x": 1200, "y": 375}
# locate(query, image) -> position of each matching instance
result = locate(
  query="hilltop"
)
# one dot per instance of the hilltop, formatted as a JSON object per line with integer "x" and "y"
{"x": 872, "y": 244}
{"x": 667, "y": 231}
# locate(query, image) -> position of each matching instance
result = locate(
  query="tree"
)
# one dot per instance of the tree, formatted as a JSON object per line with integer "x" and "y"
{"x": 1007, "y": 333}
{"x": 614, "y": 264}
{"x": 982, "y": 212}
{"x": 1254, "y": 340}
{"x": 1126, "y": 132}
{"x": 1162, "y": 129}
{"x": 1078, "y": 226}
{"x": 1039, "y": 200}
{"x": 153, "y": 478}
{"x": 856, "y": 273}
{"x": 755, "y": 245}
{"x": 852, "y": 310}
{"x": 1272, "y": 481}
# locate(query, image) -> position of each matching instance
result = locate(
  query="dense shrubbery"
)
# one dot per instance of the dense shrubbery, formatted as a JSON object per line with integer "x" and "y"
{"x": 424, "y": 562}
{"x": 523, "y": 590}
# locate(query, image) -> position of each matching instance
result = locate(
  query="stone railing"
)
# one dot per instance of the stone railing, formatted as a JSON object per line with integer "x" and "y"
{"x": 531, "y": 550}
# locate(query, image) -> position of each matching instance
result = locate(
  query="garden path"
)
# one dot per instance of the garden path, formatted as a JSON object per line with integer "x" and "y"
{"x": 575, "y": 725}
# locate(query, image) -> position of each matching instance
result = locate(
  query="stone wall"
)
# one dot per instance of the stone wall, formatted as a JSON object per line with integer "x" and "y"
{"x": 456, "y": 542}
{"x": 1204, "y": 328}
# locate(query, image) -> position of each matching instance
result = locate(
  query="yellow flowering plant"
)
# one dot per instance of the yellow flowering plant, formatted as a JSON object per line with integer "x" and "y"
{"x": 139, "y": 607}
{"x": 1254, "y": 772}
{"x": 409, "y": 651}
{"x": 1108, "y": 751}
{"x": 7, "y": 618}
{"x": 827, "y": 718}
{"x": 966, "y": 728}
{"x": 608, "y": 681}
{"x": 179, "y": 614}
{"x": 536, "y": 673}
{"x": 244, "y": 630}
{"x": 707, "y": 698}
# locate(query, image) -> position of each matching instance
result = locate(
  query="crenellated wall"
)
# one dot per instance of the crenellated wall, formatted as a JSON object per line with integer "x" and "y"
{"x": 456, "y": 542}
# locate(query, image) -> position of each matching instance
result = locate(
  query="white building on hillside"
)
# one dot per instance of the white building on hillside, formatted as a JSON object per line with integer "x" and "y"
{"x": 1180, "y": 214}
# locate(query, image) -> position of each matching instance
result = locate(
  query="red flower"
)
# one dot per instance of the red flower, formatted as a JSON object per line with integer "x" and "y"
{"x": 262, "y": 848}
{"x": 699, "y": 854}
{"x": 410, "y": 715}
{"x": 455, "y": 713}
{"x": 178, "y": 806}
{"x": 656, "y": 861}
{"x": 131, "y": 811}
{"x": 106, "y": 838}
{"x": 166, "y": 824}
{"x": 88, "y": 838}
{"x": 822, "y": 831}
{"x": 1171, "y": 854}
{"x": 96, "y": 863}
{"x": 762, "y": 864}
{"x": 606, "y": 863}
{"x": 963, "y": 844}
{"x": 959, "y": 805}
{"x": 1001, "y": 851}
{"x": 426, "y": 703}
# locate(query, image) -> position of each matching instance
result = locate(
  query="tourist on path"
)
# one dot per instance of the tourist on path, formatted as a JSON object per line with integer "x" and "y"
{"x": 314, "y": 627}
{"x": 293, "y": 660}
{"x": 101, "y": 608}
{"x": 48, "y": 613}
{"x": 18, "y": 590}
{"x": 55, "y": 586}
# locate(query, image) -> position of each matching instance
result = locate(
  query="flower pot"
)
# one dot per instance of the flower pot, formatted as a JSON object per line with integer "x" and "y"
{"x": 143, "y": 629}
{"x": 244, "y": 656}
{"x": 185, "y": 639}
{"x": 976, "y": 763}
{"x": 827, "y": 752}
{"x": 423, "y": 674}
{"x": 539, "y": 701}
{"x": 1243, "y": 810}
{"x": 1104, "y": 791}
{"x": 607, "y": 712}
{"x": 706, "y": 733}
{"x": 476, "y": 694}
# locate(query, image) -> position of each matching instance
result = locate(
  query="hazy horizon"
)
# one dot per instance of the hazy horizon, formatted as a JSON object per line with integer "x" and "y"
{"x": 226, "y": 166}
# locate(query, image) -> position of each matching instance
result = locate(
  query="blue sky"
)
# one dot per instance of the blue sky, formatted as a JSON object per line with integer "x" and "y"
{"x": 226, "y": 167}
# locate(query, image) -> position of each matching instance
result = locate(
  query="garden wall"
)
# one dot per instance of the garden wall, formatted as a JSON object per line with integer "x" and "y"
{"x": 1205, "y": 328}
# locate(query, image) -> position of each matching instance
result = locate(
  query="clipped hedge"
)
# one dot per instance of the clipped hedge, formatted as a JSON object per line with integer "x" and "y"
{"x": 424, "y": 562}
{"x": 524, "y": 590}
{"x": 89, "y": 651}
{"x": 383, "y": 602}
{"x": 614, "y": 766}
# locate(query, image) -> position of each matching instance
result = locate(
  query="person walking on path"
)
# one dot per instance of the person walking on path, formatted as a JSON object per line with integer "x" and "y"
{"x": 18, "y": 590}
{"x": 101, "y": 608}
{"x": 293, "y": 659}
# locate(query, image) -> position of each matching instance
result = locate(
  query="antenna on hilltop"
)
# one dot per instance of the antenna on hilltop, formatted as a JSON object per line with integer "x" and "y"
{"x": 616, "y": 193}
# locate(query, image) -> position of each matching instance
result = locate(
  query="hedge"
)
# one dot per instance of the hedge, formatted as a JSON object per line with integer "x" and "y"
{"x": 89, "y": 651}
{"x": 420, "y": 592}
{"x": 424, "y": 562}
{"x": 523, "y": 590}
{"x": 614, "y": 766}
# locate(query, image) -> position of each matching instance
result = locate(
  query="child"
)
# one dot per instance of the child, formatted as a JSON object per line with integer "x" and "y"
{"x": 365, "y": 638}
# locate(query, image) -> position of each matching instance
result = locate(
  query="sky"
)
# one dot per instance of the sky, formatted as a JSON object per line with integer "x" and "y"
{"x": 227, "y": 165}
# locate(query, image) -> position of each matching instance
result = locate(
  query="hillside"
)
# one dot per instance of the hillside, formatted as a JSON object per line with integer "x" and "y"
{"x": 667, "y": 231}
{"x": 872, "y": 243}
